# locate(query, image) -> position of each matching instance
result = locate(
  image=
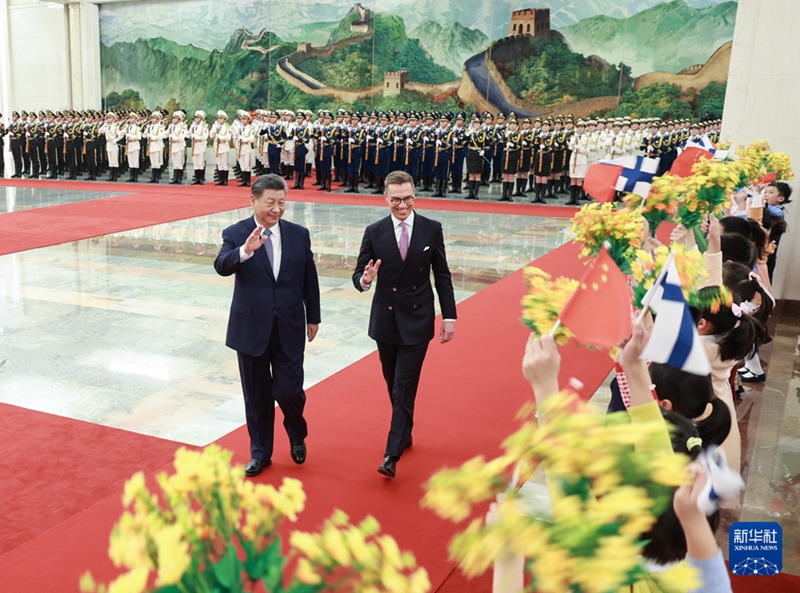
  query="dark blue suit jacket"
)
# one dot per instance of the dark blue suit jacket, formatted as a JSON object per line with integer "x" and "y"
{"x": 259, "y": 301}
{"x": 402, "y": 306}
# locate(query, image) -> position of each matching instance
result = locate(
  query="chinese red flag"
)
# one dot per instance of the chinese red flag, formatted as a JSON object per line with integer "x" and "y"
{"x": 599, "y": 313}
{"x": 768, "y": 178}
{"x": 682, "y": 166}
{"x": 601, "y": 180}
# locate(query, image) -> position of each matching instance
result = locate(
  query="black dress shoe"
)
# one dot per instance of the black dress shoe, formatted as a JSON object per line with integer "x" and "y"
{"x": 255, "y": 467}
{"x": 299, "y": 453}
{"x": 389, "y": 467}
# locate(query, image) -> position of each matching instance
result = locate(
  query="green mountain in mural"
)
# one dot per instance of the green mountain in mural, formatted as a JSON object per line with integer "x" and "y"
{"x": 670, "y": 36}
{"x": 450, "y": 46}
{"x": 363, "y": 63}
{"x": 242, "y": 78}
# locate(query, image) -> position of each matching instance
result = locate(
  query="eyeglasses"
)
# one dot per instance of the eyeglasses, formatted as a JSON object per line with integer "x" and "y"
{"x": 396, "y": 201}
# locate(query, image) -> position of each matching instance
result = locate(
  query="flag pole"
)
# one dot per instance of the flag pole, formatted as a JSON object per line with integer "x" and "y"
{"x": 650, "y": 293}
{"x": 555, "y": 327}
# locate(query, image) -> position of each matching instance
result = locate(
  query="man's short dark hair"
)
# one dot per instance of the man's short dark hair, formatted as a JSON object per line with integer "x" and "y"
{"x": 785, "y": 190}
{"x": 398, "y": 178}
{"x": 268, "y": 182}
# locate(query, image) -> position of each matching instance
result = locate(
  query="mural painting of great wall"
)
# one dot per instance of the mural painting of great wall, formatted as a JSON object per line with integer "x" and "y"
{"x": 373, "y": 58}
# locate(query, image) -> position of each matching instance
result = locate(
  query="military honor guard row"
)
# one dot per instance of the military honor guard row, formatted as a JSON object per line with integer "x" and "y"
{"x": 539, "y": 156}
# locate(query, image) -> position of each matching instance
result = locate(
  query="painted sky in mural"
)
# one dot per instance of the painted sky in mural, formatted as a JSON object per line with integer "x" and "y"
{"x": 209, "y": 24}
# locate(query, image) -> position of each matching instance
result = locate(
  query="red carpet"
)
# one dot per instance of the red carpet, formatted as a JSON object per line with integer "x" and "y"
{"x": 54, "y": 468}
{"x": 471, "y": 390}
{"x": 144, "y": 205}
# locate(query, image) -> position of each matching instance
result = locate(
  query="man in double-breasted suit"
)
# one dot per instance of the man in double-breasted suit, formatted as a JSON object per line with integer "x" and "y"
{"x": 276, "y": 305}
{"x": 401, "y": 251}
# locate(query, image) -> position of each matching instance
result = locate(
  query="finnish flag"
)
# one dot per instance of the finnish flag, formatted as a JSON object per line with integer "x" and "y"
{"x": 674, "y": 339}
{"x": 637, "y": 173}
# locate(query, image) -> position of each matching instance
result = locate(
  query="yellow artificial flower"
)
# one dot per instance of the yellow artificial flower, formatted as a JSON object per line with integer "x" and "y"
{"x": 134, "y": 581}
{"x": 173, "y": 554}
{"x": 306, "y": 573}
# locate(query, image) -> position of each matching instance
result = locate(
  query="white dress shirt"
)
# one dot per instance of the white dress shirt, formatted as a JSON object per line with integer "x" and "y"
{"x": 276, "y": 249}
{"x": 397, "y": 232}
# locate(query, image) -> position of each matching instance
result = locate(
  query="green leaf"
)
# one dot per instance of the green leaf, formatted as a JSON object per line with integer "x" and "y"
{"x": 305, "y": 588}
{"x": 168, "y": 589}
{"x": 228, "y": 570}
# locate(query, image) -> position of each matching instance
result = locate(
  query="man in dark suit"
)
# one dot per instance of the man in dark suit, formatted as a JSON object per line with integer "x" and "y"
{"x": 405, "y": 247}
{"x": 275, "y": 306}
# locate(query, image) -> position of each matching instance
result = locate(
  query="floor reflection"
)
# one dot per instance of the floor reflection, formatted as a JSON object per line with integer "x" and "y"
{"x": 16, "y": 199}
{"x": 128, "y": 330}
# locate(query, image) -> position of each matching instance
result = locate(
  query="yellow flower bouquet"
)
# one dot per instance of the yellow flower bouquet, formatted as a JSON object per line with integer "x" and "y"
{"x": 661, "y": 203}
{"x": 647, "y": 267}
{"x": 211, "y": 530}
{"x": 544, "y": 301}
{"x": 706, "y": 191}
{"x": 757, "y": 159}
{"x": 605, "y": 497}
{"x": 622, "y": 229}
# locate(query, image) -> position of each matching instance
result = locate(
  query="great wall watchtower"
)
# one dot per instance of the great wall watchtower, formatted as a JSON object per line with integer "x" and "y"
{"x": 530, "y": 21}
{"x": 394, "y": 82}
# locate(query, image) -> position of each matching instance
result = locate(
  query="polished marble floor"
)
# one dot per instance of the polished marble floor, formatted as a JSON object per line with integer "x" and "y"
{"x": 16, "y": 199}
{"x": 128, "y": 330}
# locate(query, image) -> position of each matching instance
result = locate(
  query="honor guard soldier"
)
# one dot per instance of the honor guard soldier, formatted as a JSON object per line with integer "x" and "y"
{"x": 443, "y": 144}
{"x": 578, "y": 162}
{"x": 50, "y": 133}
{"x": 198, "y": 135}
{"x": 16, "y": 132}
{"x": 300, "y": 136}
{"x": 558, "y": 155}
{"x": 244, "y": 147}
{"x": 427, "y": 166}
{"x": 398, "y": 160}
{"x": 525, "y": 158}
{"x": 326, "y": 145}
{"x": 512, "y": 146}
{"x": 414, "y": 145}
{"x": 3, "y": 132}
{"x": 221, "y": 135}
{"x": 488, "y": 126}
{"x": 133, "y": 137}
{"x": 542, "y": 161}
{"x": 356, "y": 141}
{"x": 499, "y": 148}
{"x": 382, "y": 135}
{"x": 477, "y": 143}
{"x": 34, "y": 134}
{"x": 176, "y": 137}
{"x": 154, "y": 134}
{"x": 368, "y": 165}
{"x": 90, "y": 135}
{"x": 459, "y": 152}
{"x": 273, "y": 136}
{"x": 114, "y": 135}
{"x": 73, "y": 138}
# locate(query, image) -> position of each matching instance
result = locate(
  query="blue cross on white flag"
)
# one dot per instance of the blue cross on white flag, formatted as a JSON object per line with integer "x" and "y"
{"x": 674, "y": 339}
{"x": 637, "y": 173}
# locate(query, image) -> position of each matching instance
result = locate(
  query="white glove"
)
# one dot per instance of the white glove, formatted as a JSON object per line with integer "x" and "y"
{"x": 322, "y": 139}
{"x": 482, "y": 152}
{"x": 351, "y": 140}
{"x": 541, "y": 147}
{"x": 427, "y": 139}
{"x": 409, "y": 141}
{"x": 509, "y": 145}
{"x": 380, "y": 141}
{"x": 294, "y": 138}
{"x": 524, "y": 143}
{"x": 369, "y": 137}
{"x": 468, "y": 133}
